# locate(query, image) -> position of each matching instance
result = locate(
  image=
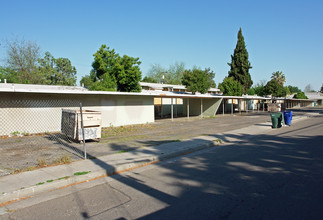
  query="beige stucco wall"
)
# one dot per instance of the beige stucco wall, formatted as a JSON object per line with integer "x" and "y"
{"x": 210, "y": 106}
{"x": 39, "y": 113}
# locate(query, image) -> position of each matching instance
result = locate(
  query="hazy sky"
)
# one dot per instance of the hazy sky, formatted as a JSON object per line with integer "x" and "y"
{"x": 280, "y": 35}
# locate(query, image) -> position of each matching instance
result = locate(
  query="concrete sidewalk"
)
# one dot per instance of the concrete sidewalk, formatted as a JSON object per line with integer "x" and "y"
{"x": 28, "y": 184}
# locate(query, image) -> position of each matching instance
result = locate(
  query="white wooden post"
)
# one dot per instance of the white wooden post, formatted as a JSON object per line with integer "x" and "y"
{"x": 239, "y": 103}
{"x": 188, "y": 108}
{"x": 246, "y": 105}
{"x": 201, "y": 108}
{"x": 172, "y": 109}
{"x": 161, "y": 107}
{"x": 176, "y": 108}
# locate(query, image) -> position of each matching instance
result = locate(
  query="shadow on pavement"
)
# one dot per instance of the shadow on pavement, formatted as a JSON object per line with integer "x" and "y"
{"x": 270, "y": 177}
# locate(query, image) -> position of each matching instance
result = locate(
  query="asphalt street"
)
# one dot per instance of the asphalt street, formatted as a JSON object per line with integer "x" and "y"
{"x": 278, "y": 175}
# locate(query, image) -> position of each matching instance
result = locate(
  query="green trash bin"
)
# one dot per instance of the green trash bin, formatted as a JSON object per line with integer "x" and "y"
{"x": 276, "y": 119}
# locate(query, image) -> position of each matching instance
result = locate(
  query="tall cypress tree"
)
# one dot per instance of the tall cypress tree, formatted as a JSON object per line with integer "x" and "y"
{"x": 240, "y": 64}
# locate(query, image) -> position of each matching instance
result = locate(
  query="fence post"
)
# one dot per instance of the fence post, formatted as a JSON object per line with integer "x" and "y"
{"x": 83, "y": 134}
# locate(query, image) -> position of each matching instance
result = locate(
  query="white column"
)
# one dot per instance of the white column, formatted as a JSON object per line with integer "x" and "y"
{"x": 176, "y": 108}
{"x": 253, "y": 109}
{"x": 239, "y": 103}
{"x": 161, "y": 107}
{"x": 188, "y": 108}
{"x": 201, "y": 108}
{"x": 172, "y": 109}
{"x": 246, "y": 105}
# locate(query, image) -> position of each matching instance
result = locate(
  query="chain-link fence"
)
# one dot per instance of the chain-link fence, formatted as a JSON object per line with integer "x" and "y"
{"x": 31, "y": 134}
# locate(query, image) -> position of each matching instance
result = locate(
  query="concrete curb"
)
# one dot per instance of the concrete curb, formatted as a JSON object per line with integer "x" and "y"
{"x": 25, "y": 193}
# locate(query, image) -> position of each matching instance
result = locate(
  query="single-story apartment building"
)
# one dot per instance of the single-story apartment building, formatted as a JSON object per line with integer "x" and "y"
{"x": 26, "y": 108}
{"x": 38, "y": 108}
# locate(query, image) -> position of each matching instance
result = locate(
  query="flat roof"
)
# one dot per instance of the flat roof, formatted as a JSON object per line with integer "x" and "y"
{"x": 48, "y": 89}
{"x": 314, "y": 95}
{"x": 77, "y": 90}
{"x": 161, "y": 86}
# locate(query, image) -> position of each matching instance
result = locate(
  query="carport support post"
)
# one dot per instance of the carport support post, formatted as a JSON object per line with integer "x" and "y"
{"x": 253, "y": 105}
{"x": 239, "y": 102}
{"x": 201, "y": 108}
{"x": 188, "y": 108}
{"x": 161, "y": 107}
{"x": 263, "y": 106}
{"x": 172, "y": 109}
{"x": 176, "y": 107}
{"x": 258, "y": 105}
{"x": 223, "y": 100}
{"x": 231, "y": 106}
{"x": 246, "y": 105}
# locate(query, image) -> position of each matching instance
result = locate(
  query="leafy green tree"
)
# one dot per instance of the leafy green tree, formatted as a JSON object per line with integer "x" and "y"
{"x": 173, "y": 75}
{"x": 47, "y": 67}
{"x": 251, "y": 91}
{"x": 3, "y": 73}
{"x": 300, "y": 95}
{"x": 88, "y": 80}
{"x": 149, "y": 79}
{"x": 260, "y": 88}
{"x": 128, "y": 74}
{"x": 286, "y": 90}
{"x": 105, "y": 83}
{"x": 112, "y": 72}
{"x": 279, "y": 77}
{"x": 211, "y": 76}
{"x": 240, "y": 65}
{"x": 274, "y": 88}
{"x": 230, "y": 87}
{"x": 65, "y": 72}
{"x": 103, "y": 66}
{"x": 8, "y": 74}
{"x": 197, "y": 80}
{"x": 293, "y": 89}
{"x": 57, "y": 71}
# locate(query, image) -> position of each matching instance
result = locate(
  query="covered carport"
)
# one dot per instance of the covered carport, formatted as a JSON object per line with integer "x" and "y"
{"x": 190, "y": 105}
{"x": 233, "y": 104}
{"x": 298, "y": 103}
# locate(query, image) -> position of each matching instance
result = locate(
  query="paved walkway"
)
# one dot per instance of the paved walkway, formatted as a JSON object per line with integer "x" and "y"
{"x": 28, "y": 184}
